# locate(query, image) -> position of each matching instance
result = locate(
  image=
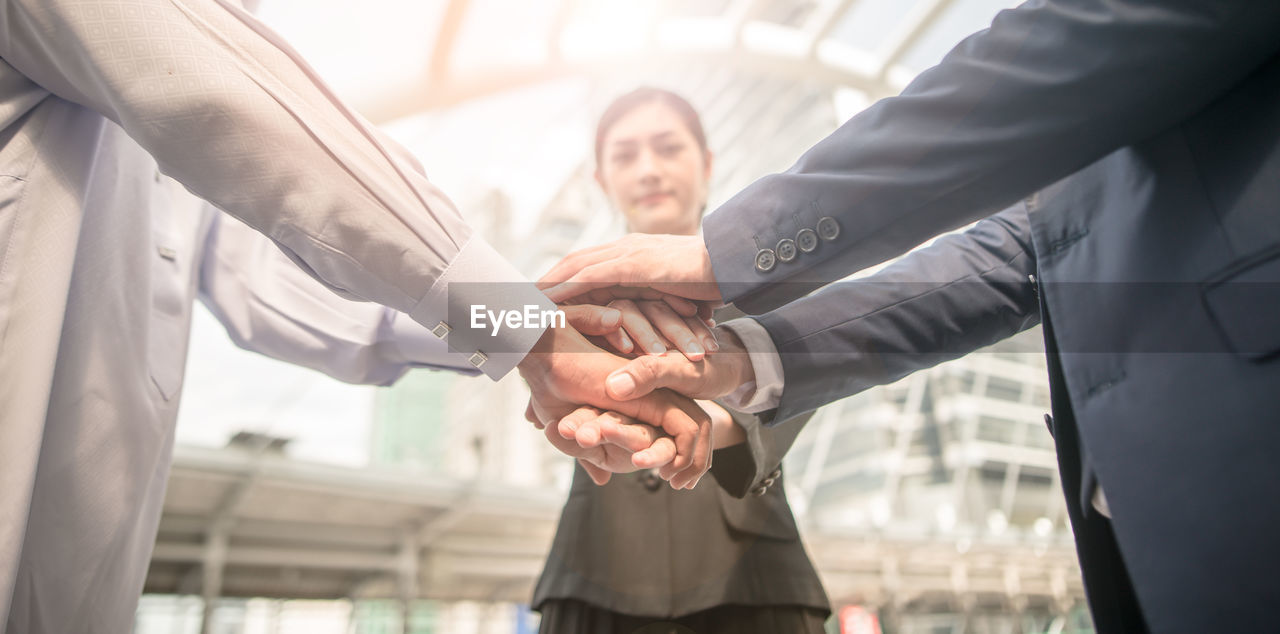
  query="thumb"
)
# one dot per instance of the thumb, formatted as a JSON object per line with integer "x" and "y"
{"x": 589, "y": 319}
{"x": 645, "y": 374}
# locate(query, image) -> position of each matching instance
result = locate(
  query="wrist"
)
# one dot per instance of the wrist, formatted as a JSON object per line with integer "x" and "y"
{"x": 725, "y": 432}
{"x": 733, "y": 355}
{"x": 539, "y": 358}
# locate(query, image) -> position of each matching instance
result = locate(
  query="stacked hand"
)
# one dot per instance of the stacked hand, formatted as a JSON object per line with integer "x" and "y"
{"x": 565, "y": 372}
{"x": 659, "y": 291}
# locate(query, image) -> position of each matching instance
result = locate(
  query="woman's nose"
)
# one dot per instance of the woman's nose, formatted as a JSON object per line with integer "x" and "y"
{"x": 648, "y": 164}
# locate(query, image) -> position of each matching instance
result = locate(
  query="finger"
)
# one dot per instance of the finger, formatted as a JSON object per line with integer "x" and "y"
{"x": 604, "y": 295}
{"x": 532, "y": 416}
{"x": 619, "y": 341}
{"x": 675, "y": 329}
{"x": 597, "y": 475}
{"x": 701, "y": 458}
{"x": 643, "y": 375}
{"x": 696, "y": 447}
{"x": 664, "y": 409}
{"x": 571, "y": 264}
{"x": 568, "y": 447}
{"x": 588, "y": 434}
{"x": 661, "y": 453}
{"x": 706, "y": 311}
{"x": 704, "y": 333}
{"x": 622, "y": 272}
{"x": 638, "y": 327}
{"x": 589, "y": 319}
{"x": 680, "y": 305}
{"x": 626, "y": 432}
{"x": 540, "y": 412}
{"x": 568, "y": 426}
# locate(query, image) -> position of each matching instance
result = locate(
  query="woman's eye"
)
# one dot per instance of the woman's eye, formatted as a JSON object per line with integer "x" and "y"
{"x": 670, "y": 150}
{"x": 623, "y": 158}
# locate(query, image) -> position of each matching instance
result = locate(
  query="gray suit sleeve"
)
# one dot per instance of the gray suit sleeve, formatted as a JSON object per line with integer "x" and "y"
{"x": 755, "y": 463}
{"x": 963, "y": 292}
{"x": 1050, "y": 87}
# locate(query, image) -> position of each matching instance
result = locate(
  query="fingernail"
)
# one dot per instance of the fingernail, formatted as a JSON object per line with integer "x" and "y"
{"x": 626, "y": 343}
{"x": 611, "y": 318}
{"x": 694, "y": 348}
{"x": 621, "y": 384}
{"x": 711, "y": 344}
{"x": 657, "y": 348}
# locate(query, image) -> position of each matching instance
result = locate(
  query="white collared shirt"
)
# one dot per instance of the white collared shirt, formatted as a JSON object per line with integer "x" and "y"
{"x": 101, "y": 258}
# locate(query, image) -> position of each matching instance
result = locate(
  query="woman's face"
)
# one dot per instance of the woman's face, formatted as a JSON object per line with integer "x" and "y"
{"x": 653, "y": 170}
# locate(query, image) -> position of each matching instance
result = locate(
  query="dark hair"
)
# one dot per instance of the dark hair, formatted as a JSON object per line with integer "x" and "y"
{"x": 644, "y": 95}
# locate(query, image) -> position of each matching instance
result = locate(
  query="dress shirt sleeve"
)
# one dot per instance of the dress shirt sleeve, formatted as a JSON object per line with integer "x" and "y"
{"x": 1051, "y": 86}
{"x": 228, "y": 109}
{"x": 765, "y": 391}
{"x": 270, "y": 306}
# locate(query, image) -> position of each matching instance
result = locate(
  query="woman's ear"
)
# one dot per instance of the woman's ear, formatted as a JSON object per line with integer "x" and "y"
{"x": 707, "y": 159}
{"x": 600, "y": 180}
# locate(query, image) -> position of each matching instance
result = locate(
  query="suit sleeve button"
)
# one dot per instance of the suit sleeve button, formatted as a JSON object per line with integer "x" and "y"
{"x": 807, "y": 240}
{"x": 786, "y": 249}
{"x": 828, "y": 228}
{"x": 765, "y": 260}
{"x": 759, "y": 491}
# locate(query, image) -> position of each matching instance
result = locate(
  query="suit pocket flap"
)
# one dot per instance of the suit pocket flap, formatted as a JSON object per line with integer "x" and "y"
{"x": 765, "y": 516}
{"x": 1245, "y": 307}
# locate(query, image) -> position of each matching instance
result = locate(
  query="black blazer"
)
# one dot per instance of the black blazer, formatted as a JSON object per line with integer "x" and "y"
{"x": 636, "y": 546}
{"x": 1144, "y": 137}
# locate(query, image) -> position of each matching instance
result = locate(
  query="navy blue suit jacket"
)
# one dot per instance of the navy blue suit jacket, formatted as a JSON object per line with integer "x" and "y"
{"x": 1144, "y": 140}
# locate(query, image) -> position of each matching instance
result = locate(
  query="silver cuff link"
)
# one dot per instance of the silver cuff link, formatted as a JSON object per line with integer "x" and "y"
{"x": 441, "y": 330}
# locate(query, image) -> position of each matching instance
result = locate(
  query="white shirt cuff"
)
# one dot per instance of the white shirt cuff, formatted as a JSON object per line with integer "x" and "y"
{"x": 479, "y": 286}
{"x": 420, "y": 349}
{"x": 765, "y": 392}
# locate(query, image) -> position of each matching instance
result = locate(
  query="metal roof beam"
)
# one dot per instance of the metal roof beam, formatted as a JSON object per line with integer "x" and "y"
{"x": 446, "y": 37}
{"x": 907, "y": 34}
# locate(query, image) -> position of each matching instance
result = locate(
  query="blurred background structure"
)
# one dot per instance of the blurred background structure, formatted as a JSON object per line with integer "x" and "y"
{"x": 299, "y": 504}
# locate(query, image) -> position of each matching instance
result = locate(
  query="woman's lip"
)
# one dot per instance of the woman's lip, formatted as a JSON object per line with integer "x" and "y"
{"x": 653, "y": 199}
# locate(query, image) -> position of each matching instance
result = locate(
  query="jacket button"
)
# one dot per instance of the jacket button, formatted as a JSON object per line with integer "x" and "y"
{"x": 828, "y": 228}
{"x": 807, "y": 240}
{"x": 760, "y": 490}
{"x": 786, "y": 249}
{"x": 765, "y": 260}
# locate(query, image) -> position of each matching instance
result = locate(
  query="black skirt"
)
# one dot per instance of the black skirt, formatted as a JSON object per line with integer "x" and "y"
{"x": 566, "y": 616}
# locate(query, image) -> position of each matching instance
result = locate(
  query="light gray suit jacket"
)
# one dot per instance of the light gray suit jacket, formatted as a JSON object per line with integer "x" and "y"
{"x": 1145, "y": 140}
